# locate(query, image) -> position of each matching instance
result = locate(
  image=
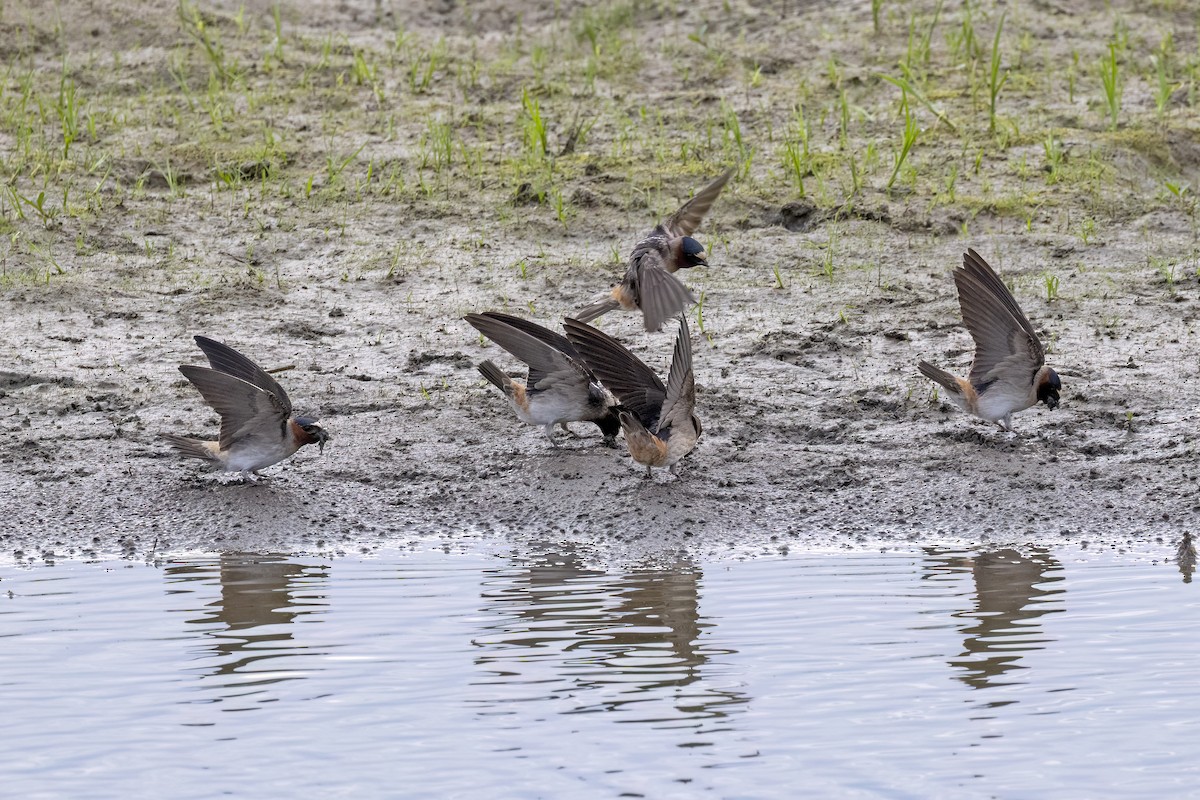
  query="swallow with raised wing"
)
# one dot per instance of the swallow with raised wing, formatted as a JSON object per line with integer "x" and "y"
{"x": 559, "y": 387}
{"x": 659, "y": 422}
{"x": 1009, "y": 373}
{"x": 257, "y": 426}
{"x": 649, "y": 283}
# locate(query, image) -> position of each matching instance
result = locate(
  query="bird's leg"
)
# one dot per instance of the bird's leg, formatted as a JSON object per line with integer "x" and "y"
{"x": 549, "y": 431}
{"x": 568, "y": 431}
{"x": 649, "y": 472}
{"x": 1006, "y": 426}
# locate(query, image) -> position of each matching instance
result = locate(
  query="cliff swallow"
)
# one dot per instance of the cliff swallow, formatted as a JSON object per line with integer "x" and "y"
{"x": 659, "y": 421}
{"x": 257, "y": 426}
{"x": 649, "y": 284}
{"x": 559, "y": 388}
{"x": 1009, "y": 372}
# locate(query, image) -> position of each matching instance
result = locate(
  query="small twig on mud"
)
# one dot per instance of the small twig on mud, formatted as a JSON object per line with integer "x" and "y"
{"x": 252, "y": 261}
{"x": 284, "y": 368}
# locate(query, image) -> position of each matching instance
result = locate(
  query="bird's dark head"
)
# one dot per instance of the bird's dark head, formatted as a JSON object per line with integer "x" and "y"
{"x": 1048, "y": 388}
{"x": 691, "y": 253}
{"x": 610, "y": 426}
{"x": 309, "y": 432}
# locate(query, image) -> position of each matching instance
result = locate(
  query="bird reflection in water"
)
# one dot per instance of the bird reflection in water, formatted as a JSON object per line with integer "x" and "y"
{"x": 594, "y": 641}
{"x": 249, "y": 627}
{"x": 1012, "y": 590}
{"x": 1185, "y": 557}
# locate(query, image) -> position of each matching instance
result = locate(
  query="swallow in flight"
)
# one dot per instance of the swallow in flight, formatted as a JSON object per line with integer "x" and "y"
{"x": 559, "y": 387}
{"x": 659, "y": 421}
{"x": 1009, "y": 373}
{"x": 649, "y": 283}
{"x": 257, "y": 426}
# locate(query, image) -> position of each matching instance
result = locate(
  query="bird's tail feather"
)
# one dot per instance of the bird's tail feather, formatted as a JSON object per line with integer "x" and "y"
{"x": 496, "y": 376}
{"x": 939, "y": 376}
{"x": 192, "y": 448}
{"x": 596, "y": 309}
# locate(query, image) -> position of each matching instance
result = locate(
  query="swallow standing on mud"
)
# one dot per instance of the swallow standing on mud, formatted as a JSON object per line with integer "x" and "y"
{"x": 1009, "y": 372}
{"x": 659, "y": 421}
{"x": 257, "y": 426}
{"x": 559, "y": 388}
{"x": 649, "y": 284}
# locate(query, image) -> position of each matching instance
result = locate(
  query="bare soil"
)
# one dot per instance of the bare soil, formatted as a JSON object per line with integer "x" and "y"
{"x": 818, "y": 431}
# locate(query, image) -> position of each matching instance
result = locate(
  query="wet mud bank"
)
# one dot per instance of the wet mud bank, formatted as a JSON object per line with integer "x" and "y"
{"x": 818, "y": 430}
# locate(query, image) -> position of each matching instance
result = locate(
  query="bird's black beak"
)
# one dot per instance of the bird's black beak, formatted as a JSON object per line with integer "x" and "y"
{"x": 322, "y": 437}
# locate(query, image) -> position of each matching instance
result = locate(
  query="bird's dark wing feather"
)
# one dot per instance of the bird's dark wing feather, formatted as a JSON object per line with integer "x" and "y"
{"x": 536, "y": 346}
{"x": 660, "y": 294}
{"x": 687, "y": 219}
{"x": 633, "y": 383}
{"x": 974, "y": 264}
{"x": 224, "y": 358}
{"x": 246, "y": 410}
{"x": 680, "y": 401}
{"x": 552, "y": 338}
{"x": 1001, "y": 332}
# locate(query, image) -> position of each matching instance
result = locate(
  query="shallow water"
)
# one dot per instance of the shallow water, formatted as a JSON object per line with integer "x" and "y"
{"x": 481, "y": 673}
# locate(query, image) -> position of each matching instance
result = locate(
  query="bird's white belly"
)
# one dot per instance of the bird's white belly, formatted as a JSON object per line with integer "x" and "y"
{"x": 250, "y": 459}
{"x": 549, "y": 408}
{"x": 996, "y": 403}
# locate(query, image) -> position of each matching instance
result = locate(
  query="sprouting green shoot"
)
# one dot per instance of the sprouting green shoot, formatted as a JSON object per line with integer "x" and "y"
{"x": 1051, "y": 282}
{"x": 906, "y": 84}
{"x": 1110, "y": 77}
{"x": 827, "y": 262}
{"x": 561, "y": 210}
{"x": 537, "y": 145}
{"x": 795, "y": 163}
{"x": 911, "y": 131}
{"x": 996, "y": 81}
{"x": 843, "y": 121}
{"x": 1165, "y": 84}
{"x": 1054, "y": 157}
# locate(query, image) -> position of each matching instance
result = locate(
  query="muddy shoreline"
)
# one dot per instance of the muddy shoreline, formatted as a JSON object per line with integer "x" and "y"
{"x": 818, "y": 430}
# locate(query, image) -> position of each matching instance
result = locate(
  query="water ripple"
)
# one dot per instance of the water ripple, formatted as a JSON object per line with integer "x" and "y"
{"x": 923, "y": 673}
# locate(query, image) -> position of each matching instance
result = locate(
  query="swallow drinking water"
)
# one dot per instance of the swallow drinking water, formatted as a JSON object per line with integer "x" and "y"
{"x": 1009, "y": 372}
{"x": 659, "y": 421}
{"x": 257, "y": 426}
{"x": 559, "y": 388}
{"x": 649, "y": 284}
